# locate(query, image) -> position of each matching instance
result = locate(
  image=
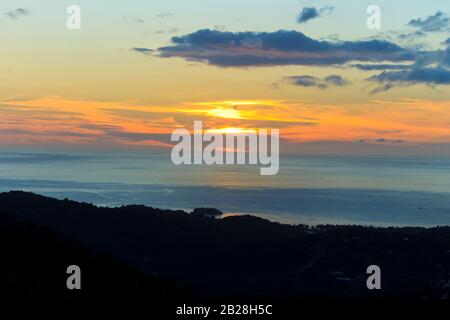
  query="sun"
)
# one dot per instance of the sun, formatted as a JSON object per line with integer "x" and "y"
{"x": 227, "y": 113}
{"x": 231, "y": 130}
{"x": 229, "y": 109}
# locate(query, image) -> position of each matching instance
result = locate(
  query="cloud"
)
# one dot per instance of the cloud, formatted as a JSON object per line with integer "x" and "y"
{"x": 383, "y": 140}
{"x": 437, "y": 22}
{"x": 336, "y": 80}
{"x": 17, "y": 13}
{"x": 252, "y": 49}
{"x": 44, "y": 113}
{"x": 106, "y": 135}
{"x": 411, "y": 36}
{"x": 446, "y": 42}
{"x": 306, "y": 81}
{"x": 144, "y": 51}
{"x": 440, "y": 58}
{"x": 314, "y": 82}
{"x": 139, "y": 21}
{"x": 431, "y": 68}
{"x": 120, "y": 124}
{"x": 414, "y": 40}
{"x": 429, "y": 75}
{"x": 309, "y": 13}
{"x": 370, "y": 67}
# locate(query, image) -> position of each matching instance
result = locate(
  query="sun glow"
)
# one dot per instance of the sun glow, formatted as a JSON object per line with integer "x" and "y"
{"x": 224, "y": 113}
{"x": 231, "y": 130}
{"x": 230, "y": 109}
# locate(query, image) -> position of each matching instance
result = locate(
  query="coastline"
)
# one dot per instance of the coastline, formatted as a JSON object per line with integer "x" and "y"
{"x": 292, "y": 206}
{"x": 223, "y": 258}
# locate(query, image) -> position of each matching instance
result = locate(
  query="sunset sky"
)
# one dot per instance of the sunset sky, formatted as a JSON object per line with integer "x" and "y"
{"x": 137, "y": 71}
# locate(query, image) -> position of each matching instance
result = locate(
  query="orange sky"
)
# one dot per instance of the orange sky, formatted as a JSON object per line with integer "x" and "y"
{"x": 82, "y": 123}
{"x": 89, "y": 88}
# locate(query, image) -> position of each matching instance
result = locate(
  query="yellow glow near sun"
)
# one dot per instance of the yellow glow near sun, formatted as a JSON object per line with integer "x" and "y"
{"x": 231, "y": 103}
{"x": 224, "y": 113}
{"x": 227, "y": 109}
{"x": 231, "y": 130}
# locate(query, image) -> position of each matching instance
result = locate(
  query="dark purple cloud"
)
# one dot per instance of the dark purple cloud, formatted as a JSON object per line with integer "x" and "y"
{"x": 314, "y": 82}
{"x": 383, "y": 66}
{"x": 145, "y": 51}
{"x": 434, "y": 23}
{"x": 447, "y": 42}
{"x": 17, "y": 13}
{"x": 256, "y": 49}
{"x": 428, "y": 75}
{"x": 309, "y": 13}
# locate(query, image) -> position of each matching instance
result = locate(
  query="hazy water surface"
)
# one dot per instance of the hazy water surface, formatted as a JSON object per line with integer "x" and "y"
{"x": 384, "y": 191}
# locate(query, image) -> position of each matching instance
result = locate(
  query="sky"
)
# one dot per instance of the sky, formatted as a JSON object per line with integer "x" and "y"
{"x": 137, "y": 70}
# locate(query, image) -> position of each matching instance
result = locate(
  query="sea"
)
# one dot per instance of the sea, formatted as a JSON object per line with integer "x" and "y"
{"x": 378, "y": 191}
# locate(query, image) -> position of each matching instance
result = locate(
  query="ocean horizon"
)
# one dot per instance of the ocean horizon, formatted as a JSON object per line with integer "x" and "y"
{"x": 308, "y": 189}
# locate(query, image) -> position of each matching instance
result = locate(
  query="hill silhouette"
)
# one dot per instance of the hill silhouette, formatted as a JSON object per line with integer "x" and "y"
{"x": 238, "y": 256}
{"x": 34, "y": 261}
